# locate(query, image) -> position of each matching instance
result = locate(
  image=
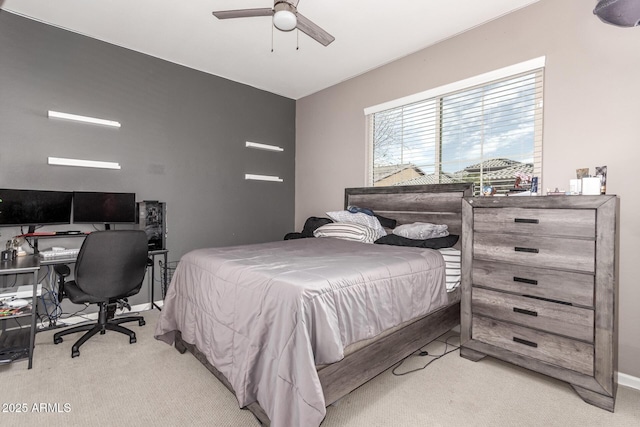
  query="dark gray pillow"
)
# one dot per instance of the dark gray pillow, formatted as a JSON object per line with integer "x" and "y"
{"x": 386, "y": 222}
{"x": 436, "y": 243}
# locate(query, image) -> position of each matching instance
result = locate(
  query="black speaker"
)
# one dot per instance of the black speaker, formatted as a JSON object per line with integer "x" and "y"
{"x": 151, "y": 217}
{"x": 623, "y": 13}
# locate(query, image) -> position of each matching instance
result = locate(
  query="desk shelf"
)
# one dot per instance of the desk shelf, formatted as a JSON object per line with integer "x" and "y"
{"x": 20, "y": 341}
{"x": 14, "y": 345}
{"x": 14, "y": 313}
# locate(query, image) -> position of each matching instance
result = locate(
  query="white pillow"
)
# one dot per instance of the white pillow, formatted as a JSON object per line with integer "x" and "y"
{"x": 358, "y": 218}
{"x": 421, "y": 230}
{"x": 347, "y": 231}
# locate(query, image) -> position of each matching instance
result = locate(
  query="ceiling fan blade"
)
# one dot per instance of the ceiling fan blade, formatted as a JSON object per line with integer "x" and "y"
{"x": 242, "y": 13}
{"x": 313, "y": 31}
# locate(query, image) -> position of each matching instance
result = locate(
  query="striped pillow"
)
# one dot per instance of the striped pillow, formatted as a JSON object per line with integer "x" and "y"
{"x": 358, "y": 218}
{"x": 347, "y": 231}
{"x": 452, "y": 265}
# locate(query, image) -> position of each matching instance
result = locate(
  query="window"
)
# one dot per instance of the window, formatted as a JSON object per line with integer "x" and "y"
{"x": 486, "y": 133}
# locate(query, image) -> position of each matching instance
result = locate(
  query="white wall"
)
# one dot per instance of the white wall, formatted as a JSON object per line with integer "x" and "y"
{"x": 591, "y": 118}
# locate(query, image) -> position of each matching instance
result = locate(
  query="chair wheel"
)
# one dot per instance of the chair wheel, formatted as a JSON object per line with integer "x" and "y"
{"x": 141, "y": 322}
{"x": 75, "y": 353}
{"x": 57, "y": 340}
{"x": 103, "y": 332}
{"x": 132, "y": 340}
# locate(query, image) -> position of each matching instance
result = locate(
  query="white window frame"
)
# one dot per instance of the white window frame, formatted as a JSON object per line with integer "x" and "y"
{"x": 488, "y": 77}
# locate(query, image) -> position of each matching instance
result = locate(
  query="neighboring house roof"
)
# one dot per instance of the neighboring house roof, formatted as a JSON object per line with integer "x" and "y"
{"x": 492, "y": 164}
{"x": 430, "y": 179}
{"x": 509, "y": 172}
{"x": 382, "y": 172}
{"x": 499, "y": 169}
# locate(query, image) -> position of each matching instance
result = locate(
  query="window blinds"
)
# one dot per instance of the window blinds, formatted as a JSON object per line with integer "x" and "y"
{"x": 484, "y": 134}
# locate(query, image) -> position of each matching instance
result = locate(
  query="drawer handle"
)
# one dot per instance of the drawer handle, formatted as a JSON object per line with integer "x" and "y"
{"x": 525, "y": 342}
{"x": 526, "y": 221}
{"x": 530, "y": 250}
{"x": 527, "y": 312}
{"x": 527, "y": 281}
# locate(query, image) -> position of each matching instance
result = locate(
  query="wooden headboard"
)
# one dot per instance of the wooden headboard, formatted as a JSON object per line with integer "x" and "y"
{"x": 434, "y": 203}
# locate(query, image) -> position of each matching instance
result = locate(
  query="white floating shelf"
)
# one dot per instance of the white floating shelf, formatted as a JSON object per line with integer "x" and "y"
{"x": 60, "y": 161}
{"x": 260, "y": 146}
{"x": 83, "y": 119}
{"x": 254, "y": 177}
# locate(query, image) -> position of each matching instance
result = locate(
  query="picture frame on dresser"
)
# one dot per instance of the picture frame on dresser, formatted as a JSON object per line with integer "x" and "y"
{"x": 539, "y": 288}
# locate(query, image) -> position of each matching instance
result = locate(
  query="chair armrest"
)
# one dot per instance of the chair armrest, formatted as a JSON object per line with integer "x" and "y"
{"x": 62, "y": 270}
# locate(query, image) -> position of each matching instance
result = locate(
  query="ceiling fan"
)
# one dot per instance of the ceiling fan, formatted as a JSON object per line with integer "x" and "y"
{"x": 285, "y": 18}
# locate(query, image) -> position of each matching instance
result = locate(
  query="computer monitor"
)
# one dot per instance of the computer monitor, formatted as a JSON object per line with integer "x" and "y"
{"x": 104, "y": 208}
{"x": 34, "y": 207}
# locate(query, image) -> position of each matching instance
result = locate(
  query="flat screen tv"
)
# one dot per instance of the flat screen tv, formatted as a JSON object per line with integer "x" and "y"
{"x": 104, "y": 208}
{"x": 34, "y": 207}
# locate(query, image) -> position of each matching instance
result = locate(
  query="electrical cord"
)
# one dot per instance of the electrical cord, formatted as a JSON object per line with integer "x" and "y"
{"x": 27, "y": 240}
{"x": 422, "y": 352}
{"x": 45, "y": 274}
{"x": 77, "y": 313}
{"x": 52, "y": 307}
{"x": 64, "y": 315}
{"x": 49, "y": 300}
{"x": 15, "y": 280}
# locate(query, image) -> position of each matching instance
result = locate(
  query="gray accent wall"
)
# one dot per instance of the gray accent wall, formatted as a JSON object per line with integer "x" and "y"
{"x": 182, "y": 139}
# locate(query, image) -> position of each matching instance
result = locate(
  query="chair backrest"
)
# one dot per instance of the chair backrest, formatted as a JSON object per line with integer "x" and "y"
{"x": 112, "y": 264}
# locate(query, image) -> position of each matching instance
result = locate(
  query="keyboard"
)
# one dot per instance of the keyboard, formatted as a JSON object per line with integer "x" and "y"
{"x": 63, "y": 253}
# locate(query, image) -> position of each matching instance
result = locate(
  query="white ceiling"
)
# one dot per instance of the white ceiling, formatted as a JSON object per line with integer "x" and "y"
{"x": 369, "y": 33}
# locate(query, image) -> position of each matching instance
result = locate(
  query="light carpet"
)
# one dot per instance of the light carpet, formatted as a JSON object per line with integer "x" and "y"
{"x": 150, "y": 383}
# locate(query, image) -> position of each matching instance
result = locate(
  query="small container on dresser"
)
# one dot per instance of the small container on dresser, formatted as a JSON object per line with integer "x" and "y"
{"x": 539, "y": 285}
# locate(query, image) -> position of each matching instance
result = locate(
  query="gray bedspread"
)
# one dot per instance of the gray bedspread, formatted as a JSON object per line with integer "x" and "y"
{"x": 265, "y": 315}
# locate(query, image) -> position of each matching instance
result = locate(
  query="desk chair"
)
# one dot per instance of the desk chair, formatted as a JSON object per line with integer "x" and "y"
{"x": 111, "y": 266}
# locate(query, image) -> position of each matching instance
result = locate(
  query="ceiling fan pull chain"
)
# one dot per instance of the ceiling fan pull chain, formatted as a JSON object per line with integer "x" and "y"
{"x": 297, "y": 39}
{"x": 271, "y": 38}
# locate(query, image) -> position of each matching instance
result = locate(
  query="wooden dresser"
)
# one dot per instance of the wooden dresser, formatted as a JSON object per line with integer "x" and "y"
{"x": 539, "y": 285}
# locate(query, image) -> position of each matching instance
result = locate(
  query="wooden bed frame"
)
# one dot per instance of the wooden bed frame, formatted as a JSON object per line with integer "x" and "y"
{"x": 437, "y": 203}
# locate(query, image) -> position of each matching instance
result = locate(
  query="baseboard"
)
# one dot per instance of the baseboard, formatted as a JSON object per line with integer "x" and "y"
{"x": 628, "y": 381}
{"x": 94, "y": 316}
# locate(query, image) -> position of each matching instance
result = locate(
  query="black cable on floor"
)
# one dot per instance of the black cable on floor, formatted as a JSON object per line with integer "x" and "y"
{"x": 422, "y": 352}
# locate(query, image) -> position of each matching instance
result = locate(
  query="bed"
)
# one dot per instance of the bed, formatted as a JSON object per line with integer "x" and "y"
{"x": 288, "y": 351}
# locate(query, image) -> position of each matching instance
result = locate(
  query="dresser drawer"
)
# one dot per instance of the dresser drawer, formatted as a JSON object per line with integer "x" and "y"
{"x": 566, "y": 286}
{"x": 559, "y": 351}
{"x": 561, "y": 319}
{"x": 545, "y": 252}
{"x": 554, "y": 222}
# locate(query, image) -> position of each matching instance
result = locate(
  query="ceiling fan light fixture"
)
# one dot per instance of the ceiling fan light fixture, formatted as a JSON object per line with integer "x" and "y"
{"x": 284, "y": 17}
{"x": 622, "y": 13}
